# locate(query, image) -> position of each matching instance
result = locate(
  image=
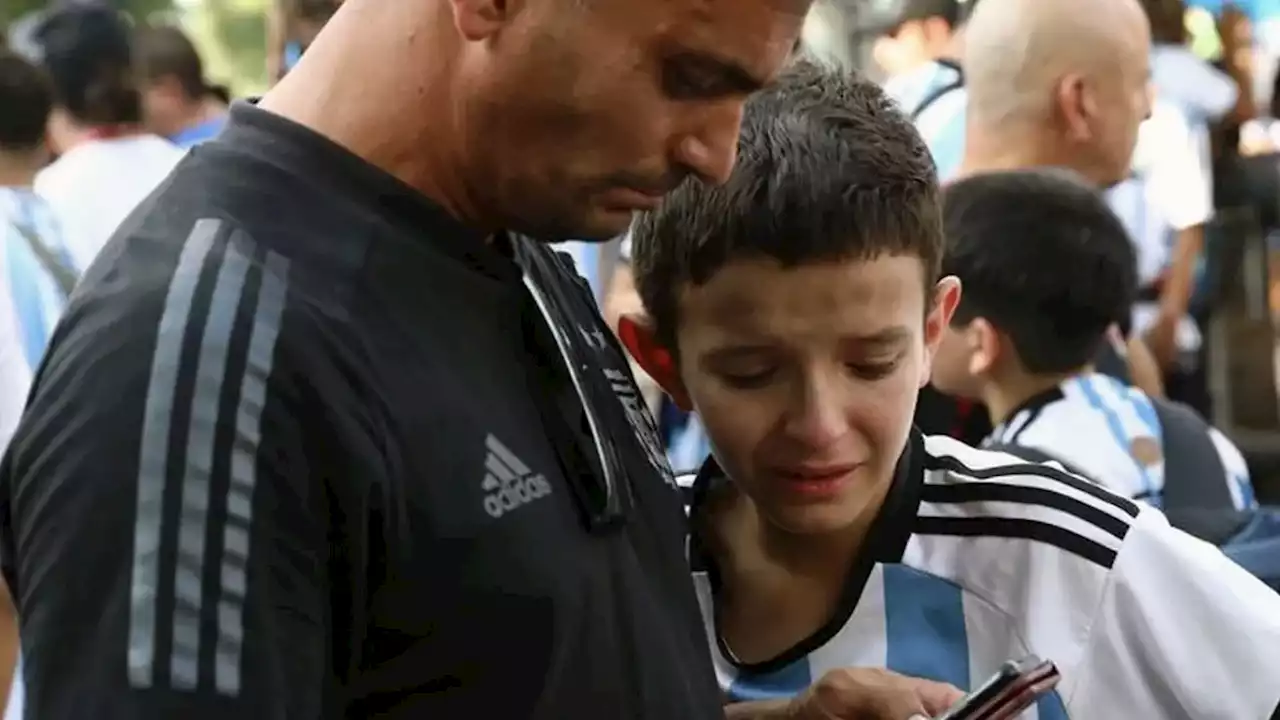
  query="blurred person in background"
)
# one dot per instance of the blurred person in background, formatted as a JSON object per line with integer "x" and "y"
{"x": 291, "y": 26}
{"x": 35, "y": 278}
{"x": 35, "y": 272}
{"x": 1047, "y": 85}
{"x": 1169, "y": 199}
{"x": 107, "y": 162}
{"x": 933, "y": 93}
{"x": 913, "y": 46}
{"x": 177, "y": 101}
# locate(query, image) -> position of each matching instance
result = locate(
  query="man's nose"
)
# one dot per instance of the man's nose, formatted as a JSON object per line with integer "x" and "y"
{"x": 711, "y": 151}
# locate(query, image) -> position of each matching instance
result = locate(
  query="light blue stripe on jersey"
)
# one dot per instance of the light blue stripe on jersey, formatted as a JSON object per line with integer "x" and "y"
{"x": 1051, "y": 707}
{"x": 924, "y": 622}
{"x": 36, "y": 297}
{"x": 941, "y": 122}
{"x": 942, "y": 125}
{"x": 1124, "y": 436}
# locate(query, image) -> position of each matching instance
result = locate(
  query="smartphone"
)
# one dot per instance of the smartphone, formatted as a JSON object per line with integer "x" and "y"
{"x": 1008, "y": 693}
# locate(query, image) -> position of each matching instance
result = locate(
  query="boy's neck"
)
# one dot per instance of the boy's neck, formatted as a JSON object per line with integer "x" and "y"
{"x": 1004, "y": 396}
{"x": 18, "y": 170}
{"x": 751, "y": 541}
{"x": 826, "y": 556}
{"x": 781, "y": 587}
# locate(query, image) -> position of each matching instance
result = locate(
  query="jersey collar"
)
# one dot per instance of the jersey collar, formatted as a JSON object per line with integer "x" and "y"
{"x": 886, "y": 542}
{"x": 1031, "y": 406}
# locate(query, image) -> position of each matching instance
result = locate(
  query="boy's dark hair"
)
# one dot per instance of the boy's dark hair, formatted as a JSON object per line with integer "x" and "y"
{"x": 1043, "y": 259}
{"x": 27, "y": 100}
{"x": 828, "y": 169}
{"x": 86, "y": 51}
{"x": 165, "y": 51}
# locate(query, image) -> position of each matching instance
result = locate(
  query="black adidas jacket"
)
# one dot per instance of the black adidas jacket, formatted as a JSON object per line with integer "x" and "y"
{"x": 304, "y": 447}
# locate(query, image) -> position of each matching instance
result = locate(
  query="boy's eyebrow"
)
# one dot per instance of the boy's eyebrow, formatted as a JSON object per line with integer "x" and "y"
{"x": 880, "y": 339}
{"x": 735, "y": 352}
{"x": 889, "y": 336}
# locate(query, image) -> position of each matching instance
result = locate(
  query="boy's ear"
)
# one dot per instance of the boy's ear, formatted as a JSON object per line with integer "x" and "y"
{"x": 637, "y": 334}
{"x": 946, "y": 297}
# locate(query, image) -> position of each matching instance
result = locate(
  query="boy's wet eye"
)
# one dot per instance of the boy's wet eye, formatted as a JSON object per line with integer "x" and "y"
{"x": 874, "y": 371}
{"x": 747, "y": 380}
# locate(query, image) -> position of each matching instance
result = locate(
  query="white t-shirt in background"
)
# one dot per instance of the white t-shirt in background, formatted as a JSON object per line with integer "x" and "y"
{"x": 93, "y": 187}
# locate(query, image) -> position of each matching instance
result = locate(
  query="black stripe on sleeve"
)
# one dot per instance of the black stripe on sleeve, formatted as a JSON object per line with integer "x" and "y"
{"x": 951, "y": 464}
{"x": 996, "y": 492}
{"x": 1018, "y": 529}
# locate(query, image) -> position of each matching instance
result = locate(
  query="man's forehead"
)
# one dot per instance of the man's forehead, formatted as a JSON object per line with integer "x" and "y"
{"x": 755, "y": 35}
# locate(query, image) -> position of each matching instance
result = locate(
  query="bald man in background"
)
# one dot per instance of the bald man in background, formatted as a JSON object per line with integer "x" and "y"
{"x": 1056, "y": 83}
{"x": 1061, "y": 83}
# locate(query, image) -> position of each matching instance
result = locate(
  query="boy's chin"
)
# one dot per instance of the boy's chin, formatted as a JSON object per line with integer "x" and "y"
{"x": 817, "y": 520}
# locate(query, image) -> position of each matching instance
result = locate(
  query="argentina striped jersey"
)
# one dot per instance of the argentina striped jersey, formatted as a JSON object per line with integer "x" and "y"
{"x": 1110, "y": 432}
{"x": 999, "y": 559}
{"x": 935, "y": 98}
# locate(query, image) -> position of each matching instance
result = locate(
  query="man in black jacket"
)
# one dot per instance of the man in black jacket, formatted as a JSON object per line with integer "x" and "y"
{"x": 329, "y": 432}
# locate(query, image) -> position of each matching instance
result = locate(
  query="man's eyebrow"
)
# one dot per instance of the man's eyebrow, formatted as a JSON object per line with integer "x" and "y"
{"x": 733, "y": 74}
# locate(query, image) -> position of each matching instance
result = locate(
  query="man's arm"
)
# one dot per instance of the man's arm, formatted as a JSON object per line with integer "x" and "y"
{"x": 1181, "y": 632}
{"x": 1143, "y": 370}
{"x": 8, "y": 645}
{"x": 165, "y": 511}
{"x": 1179, "y": 186}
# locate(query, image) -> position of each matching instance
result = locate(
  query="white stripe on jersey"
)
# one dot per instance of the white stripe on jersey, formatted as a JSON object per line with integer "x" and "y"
{"x": 972, "y": 493}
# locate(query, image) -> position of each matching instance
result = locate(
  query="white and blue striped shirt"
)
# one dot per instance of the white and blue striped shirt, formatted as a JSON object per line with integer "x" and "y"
{"x": 982, "y": 558}
{"x": 31, "y": 301}
{"x": 30, "y": 305}
{"x": 1094, "y": 422}
{"x": 941, "y": 123}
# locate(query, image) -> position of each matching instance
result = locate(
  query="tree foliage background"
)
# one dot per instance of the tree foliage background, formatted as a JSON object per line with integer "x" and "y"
{"x": 231, "y": 34}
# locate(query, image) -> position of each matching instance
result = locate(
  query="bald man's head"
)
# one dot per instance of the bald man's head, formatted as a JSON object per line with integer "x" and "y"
{"x": 1067, "y": 71}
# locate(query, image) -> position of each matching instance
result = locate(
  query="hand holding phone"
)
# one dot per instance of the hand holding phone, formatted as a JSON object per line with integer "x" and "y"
{"x": 1008, "y": 693}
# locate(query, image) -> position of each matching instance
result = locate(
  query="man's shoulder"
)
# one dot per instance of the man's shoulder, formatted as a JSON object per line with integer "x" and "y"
{"x": 187, "y": 277}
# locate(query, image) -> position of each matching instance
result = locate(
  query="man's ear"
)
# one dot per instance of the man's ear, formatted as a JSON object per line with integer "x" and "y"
{"x": 479, "y": 20}
{"x": 638, "y": 336}
{"x": 1077, "y": 107}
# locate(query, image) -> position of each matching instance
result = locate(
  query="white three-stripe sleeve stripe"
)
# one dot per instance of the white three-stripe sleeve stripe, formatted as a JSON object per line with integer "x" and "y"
{"x": 153, "y": 460}
{"x": 200, "y": 453}
{"x": 188, "y": 583}
{"x": 253, "y": 395}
